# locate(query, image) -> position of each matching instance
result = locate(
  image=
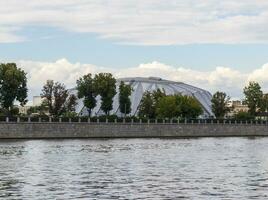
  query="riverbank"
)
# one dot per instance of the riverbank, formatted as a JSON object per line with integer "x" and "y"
{"x": 50, "y": 130}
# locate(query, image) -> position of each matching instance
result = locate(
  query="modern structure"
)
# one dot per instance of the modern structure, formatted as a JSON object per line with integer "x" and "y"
{"x": 141, "y": 85}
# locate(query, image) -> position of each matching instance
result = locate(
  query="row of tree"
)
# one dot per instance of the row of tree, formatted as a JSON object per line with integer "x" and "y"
{"x": 255, "y": 99}
{"x": 103, "y": 84}
{"x": 59, "y": 101}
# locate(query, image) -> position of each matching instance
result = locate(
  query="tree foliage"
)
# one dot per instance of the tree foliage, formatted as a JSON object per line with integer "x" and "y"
{"x": 12, "y": 111}
{"x": 38, "y": 110}
{"x": 56, "y": 98}
{"x": 241, "y": 115}
{"x": 157, "y": 104}
{"x": 264, "y": 103}
{"x": 106, "y": 88}
{"x": 189, "y": 106}
{"x": 253, "y": 97}
{"x": 71, "y": 103}
{"x": 148, "y": 104}
{"x": 173, "y": 106}
{"x": 124, "y": 98}
{"x": 146, "y": 108}
{"x": 220, "y": 104}
{"x": 13, "y": 85}
{"x": 86, "y": 88}
{"x": 167, "y": 107}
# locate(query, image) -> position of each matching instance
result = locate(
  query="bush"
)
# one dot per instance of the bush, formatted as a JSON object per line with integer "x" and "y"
{"x": 14, "y": 111}
{"x": 69, "y": 114}
{"x": 241, "y": 115}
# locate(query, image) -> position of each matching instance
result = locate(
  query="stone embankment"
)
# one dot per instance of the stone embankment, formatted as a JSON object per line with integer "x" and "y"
{"x": 36, "y": 130}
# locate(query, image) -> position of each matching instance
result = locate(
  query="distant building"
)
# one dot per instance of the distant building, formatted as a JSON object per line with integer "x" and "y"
{"x": 236, "y": 107}
{"x": 37, "y": 100}
{"x": 24, "y": 109}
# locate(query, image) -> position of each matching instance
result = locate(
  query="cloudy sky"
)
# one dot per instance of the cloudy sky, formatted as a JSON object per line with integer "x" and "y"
{"x": 217, "y": 45}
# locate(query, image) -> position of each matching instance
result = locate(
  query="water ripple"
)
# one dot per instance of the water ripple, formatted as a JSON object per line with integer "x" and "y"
{"x": 207, "y": 168}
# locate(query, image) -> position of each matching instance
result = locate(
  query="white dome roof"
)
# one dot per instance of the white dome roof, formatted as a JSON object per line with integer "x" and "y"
{"x": 141, "y": 85}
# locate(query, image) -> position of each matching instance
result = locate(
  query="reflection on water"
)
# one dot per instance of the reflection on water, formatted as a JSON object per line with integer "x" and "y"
{"x": 207, "y": 168}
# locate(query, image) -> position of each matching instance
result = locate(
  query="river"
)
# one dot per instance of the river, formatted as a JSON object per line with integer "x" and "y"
{"x": 205, "y": 168}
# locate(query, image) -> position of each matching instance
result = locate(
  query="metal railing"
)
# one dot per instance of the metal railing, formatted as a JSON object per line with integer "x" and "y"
{"x": 102, "y": 120}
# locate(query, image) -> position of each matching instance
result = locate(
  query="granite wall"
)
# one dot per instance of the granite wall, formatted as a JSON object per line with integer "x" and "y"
{"x": 30, "y": 130}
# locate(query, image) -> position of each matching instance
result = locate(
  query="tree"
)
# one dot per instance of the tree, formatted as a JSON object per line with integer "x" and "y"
{"x": 189, "y": 106}
{"x": 220, "y": 104}
{"x": 47, "y": 94}
{"x": 55, "y": 97}
{"x": 253, "y": 97}
{"x": 264, "y": 103}
{"x": 157, "y": 95}
{"x": 146, "y": 107}
{"x": 106, "y": 88}
{"x": 71, "y": 103}
{"x": 13, "y": 85}
{"x": 124, "y": 98}
{"x": 40, "y": 110}
{"x": 86, "y": 88}
{"x": 149, "y": 101}
{"x": 167, "y": 107}
{"x": 241, "y": 115}
{"x": 173, "y": 106}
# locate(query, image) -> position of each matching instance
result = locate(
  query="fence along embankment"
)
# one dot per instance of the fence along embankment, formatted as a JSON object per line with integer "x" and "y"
{"x": 28, "y": 128}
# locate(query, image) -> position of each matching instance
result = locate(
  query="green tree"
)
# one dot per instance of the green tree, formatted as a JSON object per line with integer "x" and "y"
{"x": 13, "y": 85}
{"x": 157, "y": 95}
{"x": 189, "y": 106}
{"x": 253, "y": 97}
{"x": 149, "y": 101}
{"x": 220, "y": 104}
{"x": 40, "y": 110}
{"x": 241, "y": 115}
{"x": 264, "y": 103}
{"x": 146, "y": 107}
{"x": 124, "y": 98}
{"x": 86, "y": 88}
{"x": 167, "y": 107}
{"x": 173, "y": 106}
{"x": 71, "y": 103}
{"x": 69, "y": 107}
{"x": 106, "y": 88}
{"x": 55, "y": 97}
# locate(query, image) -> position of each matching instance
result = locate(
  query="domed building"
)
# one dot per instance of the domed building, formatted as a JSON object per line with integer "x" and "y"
{"x": 141, "y": 85}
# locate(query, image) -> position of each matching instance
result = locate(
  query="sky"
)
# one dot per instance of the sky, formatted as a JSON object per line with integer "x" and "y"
{"x": 216, "y": 45}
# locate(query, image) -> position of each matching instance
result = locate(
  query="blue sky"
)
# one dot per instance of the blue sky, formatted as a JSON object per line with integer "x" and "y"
{"x": 47, "y": 44}
{"x": 211, "y": 44}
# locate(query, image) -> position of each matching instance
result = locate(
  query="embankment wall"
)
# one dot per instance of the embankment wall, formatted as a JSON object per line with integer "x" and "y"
{"x": 121, "y": 130}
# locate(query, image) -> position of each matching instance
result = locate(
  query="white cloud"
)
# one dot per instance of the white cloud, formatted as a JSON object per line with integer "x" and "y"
{"x": 150, "y": 22}
{"x": 260, "y": 75}
{"x": 221, "y": 78}
{"x": 61, "y": 70}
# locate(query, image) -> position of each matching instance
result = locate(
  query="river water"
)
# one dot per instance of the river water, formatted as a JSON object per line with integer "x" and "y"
{"x": 205, "y": 168}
